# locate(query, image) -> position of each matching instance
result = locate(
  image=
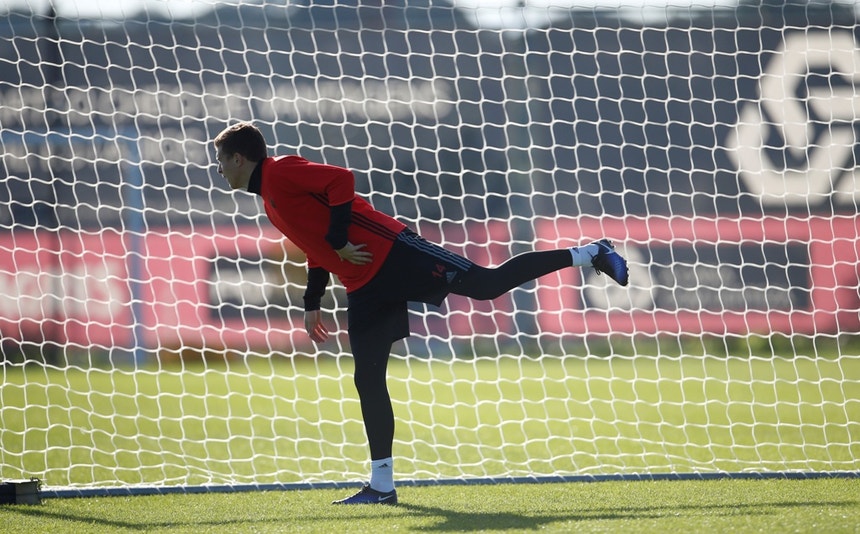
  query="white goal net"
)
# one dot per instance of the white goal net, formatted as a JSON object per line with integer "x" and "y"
{"x": 151, "y": 320}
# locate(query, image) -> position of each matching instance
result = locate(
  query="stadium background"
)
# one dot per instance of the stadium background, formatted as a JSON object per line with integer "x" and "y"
{"x": 598, "y": 125}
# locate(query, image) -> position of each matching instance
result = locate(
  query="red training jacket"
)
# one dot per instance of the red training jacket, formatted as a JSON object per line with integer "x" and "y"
{"x": 298, "y": 194}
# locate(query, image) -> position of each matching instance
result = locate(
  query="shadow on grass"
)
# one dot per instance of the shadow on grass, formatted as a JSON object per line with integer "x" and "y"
{"x": 109, "y": 525}
{"x": 465, "y": 521}
{"x": 450, "y": 520}
{"x": 460, "y": 521}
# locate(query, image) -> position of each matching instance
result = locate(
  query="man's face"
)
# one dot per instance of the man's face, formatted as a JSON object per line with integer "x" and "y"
{"x": 229, "y": 166}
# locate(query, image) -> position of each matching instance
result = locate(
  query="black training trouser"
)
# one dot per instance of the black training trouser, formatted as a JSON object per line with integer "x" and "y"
{"x": 419, "y": 271}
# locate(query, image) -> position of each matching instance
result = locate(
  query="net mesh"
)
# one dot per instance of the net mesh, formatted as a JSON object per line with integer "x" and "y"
{"x": 151, "y": 320}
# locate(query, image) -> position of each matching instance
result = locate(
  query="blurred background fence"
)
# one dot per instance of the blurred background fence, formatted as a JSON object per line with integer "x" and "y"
{"x": 717, "y": 143}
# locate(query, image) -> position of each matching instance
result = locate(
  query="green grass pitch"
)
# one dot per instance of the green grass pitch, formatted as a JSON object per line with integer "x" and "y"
{"x": 813, "y": 506}
{"x": 291, "y": 420}
{"x": 286, "y": 420}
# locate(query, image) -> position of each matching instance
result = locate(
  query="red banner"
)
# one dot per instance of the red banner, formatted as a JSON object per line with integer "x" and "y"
{"x": 231, "y": 288}
{"x": 706, "y": 275}
{"x": 105, "y": 289}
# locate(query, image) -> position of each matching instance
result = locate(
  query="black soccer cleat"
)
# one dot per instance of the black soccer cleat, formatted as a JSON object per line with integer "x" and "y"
{"x": 368, "y": 495}
{"x": 610, "y": 262}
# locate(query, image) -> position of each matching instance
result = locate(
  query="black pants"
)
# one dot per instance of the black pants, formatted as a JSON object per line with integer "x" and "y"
{"x": 419, "y": 271}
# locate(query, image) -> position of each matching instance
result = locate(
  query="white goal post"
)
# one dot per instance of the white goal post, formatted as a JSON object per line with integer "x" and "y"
{"x": 151, "y": 320}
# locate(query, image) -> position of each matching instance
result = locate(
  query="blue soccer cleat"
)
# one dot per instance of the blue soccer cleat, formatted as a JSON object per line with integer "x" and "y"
{"x": 368, "y": 495}
{"x": 610, "y": 262}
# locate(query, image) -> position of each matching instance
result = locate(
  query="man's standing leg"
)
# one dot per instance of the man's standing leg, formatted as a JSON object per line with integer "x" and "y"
{"x": 371, "y": 337}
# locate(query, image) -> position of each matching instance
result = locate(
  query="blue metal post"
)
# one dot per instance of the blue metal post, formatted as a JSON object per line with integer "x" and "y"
{"x": 134, "y": 227}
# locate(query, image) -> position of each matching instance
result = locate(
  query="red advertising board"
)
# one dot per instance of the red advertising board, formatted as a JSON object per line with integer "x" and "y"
{"x": 65, "y": 287}
{"x": 227, "y": 288}
{"x": 105, "y": 289}
{"x": 709, "y": 275}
